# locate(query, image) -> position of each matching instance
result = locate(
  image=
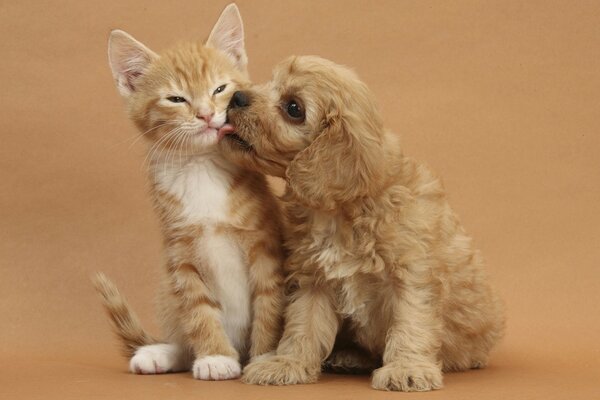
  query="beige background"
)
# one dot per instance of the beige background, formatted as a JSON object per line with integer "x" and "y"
{"x": 501, "y": 98}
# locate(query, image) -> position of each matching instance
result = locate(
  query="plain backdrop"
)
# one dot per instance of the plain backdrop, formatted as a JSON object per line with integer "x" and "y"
{"x": 501, "y": 98}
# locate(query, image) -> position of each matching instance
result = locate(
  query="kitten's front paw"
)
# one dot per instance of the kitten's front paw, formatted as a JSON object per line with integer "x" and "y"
{"x": 156, "y": 359}
{"x": 398, "y": 377}
{"x": 216, "y": 368}
{"x": 279, "y": 370}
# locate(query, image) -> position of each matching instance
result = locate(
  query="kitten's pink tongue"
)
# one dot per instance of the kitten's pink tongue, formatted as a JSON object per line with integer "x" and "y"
{"x": 226, "y": 129}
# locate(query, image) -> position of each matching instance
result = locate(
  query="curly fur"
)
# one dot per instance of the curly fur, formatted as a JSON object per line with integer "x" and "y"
{"x": 373, "y": 243}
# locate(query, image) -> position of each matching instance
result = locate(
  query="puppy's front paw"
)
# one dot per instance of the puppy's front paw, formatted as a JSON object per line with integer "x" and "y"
{"x": 279, "y": 370}
{"x": 216, "y": 368}
{"x": 262, "y": 357}
{"x": 407, "y": 378}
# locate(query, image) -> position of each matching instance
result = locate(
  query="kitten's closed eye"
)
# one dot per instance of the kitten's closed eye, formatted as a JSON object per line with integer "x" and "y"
{"x": 176, "y": 99}
{"x": 219, "y": 89}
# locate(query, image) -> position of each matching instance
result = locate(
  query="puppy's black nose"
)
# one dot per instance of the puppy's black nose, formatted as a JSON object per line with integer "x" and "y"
{"x": 239, "y": 99}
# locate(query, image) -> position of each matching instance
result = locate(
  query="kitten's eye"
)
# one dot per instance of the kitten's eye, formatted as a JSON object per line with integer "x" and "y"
{"x": 176, "y": 99}
{"x": 294, "y": 111}
{"x": 219, "y": 89}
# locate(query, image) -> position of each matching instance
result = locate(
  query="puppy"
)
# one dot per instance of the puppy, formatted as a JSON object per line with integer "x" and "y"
{"x": 377, "y": 256}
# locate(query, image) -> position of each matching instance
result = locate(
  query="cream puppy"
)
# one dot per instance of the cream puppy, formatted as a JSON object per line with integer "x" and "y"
{"x": 377, "y": 256}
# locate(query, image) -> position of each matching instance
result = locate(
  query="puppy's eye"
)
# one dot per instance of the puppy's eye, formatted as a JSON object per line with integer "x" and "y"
{"x": 176, "y": 99}
{"x": 294, "y": 110}
{"x": 219, "y": 89}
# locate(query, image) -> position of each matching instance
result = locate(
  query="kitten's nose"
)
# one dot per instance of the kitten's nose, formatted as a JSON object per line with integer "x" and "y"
{"x": 205, "y": 117}
{"x": 239, "y": 99}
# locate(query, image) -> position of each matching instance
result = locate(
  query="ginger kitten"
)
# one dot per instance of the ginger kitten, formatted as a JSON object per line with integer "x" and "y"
{"x": 222, "y": 297}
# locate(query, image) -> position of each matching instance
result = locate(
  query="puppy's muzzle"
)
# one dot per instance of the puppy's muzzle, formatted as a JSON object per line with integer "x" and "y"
{"x": 239, "y": 99}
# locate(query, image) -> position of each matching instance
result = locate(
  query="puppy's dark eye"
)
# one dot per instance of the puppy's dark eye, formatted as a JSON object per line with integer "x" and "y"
{"x": 219, "y": 89}
{"x": 295, "y": 111}
{"x": 176, "y": 99}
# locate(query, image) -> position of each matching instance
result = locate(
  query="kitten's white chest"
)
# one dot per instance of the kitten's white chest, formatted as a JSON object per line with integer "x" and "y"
{"x": 230, "y": 273}
{"x": 202, "y": 188}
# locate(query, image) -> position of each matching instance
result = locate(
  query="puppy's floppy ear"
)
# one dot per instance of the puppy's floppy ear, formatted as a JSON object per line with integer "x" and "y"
{"x": 343, "y": 163}
{"x": 228, "y": 36}
{"x": 128, "y": 60}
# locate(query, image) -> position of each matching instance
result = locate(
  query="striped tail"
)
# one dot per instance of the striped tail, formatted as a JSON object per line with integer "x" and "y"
{"x": 123, "y": 320}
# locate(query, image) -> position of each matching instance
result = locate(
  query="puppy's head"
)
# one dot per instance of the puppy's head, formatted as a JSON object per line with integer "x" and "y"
{"x": 314, "y": 124}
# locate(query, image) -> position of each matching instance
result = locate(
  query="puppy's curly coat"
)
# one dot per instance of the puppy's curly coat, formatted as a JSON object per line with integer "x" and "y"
{"x": 377, "y": 256}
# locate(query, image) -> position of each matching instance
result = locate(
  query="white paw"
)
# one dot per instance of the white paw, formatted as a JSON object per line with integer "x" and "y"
{"x": 216, "y": 368}
{"x": 156, "y": 359}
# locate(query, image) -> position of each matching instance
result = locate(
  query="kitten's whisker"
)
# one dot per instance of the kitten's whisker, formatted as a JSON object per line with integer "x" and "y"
{"x": 188, "y": 146}
{"x": 164, "y": 145}
{"x": 153, "y": 149}
{"x": 169, "y": 147}
{"x": 137, "y": 138}
{"x": 176, "y": 148}
{"x": 157, "y": 145}
{"x": 168, "y": 162}
{"x": 183, "y": 148}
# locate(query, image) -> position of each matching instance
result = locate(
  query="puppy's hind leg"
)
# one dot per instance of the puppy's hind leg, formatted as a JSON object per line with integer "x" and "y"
{"x": 350, "y": 360}
{"x": 473, "y": 318}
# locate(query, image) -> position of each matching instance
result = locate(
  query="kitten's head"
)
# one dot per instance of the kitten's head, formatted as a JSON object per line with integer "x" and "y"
{"x": 179, "y": 99}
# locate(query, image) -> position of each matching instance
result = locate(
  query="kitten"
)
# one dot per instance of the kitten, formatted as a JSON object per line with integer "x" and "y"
{"x": 222, "y": 299}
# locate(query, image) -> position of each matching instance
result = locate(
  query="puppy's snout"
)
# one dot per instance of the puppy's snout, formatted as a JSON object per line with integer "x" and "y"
{"x": 240, "y": 99}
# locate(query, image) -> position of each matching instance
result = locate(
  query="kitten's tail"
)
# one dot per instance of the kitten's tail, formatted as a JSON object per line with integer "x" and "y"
{"x": 123, "y": 320}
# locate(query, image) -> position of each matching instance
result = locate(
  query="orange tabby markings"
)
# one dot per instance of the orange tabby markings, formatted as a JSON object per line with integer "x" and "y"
{"x": 222, "y": 299}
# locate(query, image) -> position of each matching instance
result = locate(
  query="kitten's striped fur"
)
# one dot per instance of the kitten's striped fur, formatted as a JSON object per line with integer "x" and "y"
{"x": 222, "y": 299}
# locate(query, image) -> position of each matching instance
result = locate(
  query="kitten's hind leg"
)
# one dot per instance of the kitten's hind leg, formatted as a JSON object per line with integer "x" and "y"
{"x": 200, "y": 313}
{"x": 159, "y": 359}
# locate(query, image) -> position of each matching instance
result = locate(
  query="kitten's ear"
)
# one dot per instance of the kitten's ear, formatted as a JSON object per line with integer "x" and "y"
{"x": 128, "y": 60}
{"x": 228, "y": 36}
